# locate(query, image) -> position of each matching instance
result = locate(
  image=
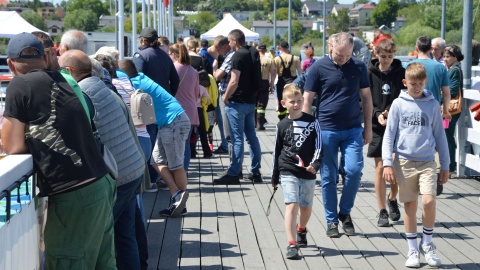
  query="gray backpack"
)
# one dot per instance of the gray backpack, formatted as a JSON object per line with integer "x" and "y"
{"x": 141, "y": 108}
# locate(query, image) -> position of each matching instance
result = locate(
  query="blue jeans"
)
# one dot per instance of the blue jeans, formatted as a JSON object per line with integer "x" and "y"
{"x": 125, "y": 234}
{"x": 218, "y": 113}
{"x": 241, "y": 119}
{"x": 351, "y": 145}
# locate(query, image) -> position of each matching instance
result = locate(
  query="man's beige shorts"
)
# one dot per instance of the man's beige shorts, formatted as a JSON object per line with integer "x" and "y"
{"x": 415, "y": 176}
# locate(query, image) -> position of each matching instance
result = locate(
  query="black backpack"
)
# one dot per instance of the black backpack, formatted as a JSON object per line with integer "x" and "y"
{"x": 257, "y": 68}
{"x": 286, "y": 73}
{"x": 203, "y": 78}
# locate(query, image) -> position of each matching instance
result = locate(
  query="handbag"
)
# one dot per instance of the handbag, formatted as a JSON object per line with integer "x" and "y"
{"x": 455, "y": 106}
{"x": 141, "y": 108}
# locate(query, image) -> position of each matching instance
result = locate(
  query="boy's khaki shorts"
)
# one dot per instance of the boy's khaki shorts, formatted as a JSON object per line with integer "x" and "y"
{"x": 414, "y": 177}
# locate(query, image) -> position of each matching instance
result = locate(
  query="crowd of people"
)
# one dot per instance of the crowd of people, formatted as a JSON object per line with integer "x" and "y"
{"x": 71, "y": 113}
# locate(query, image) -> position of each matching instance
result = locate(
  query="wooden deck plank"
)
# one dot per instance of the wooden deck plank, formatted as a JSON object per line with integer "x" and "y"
{"x": 227, "y": 226}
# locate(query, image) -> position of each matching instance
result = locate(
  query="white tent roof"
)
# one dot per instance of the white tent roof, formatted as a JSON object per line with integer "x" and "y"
{"x": 11, "y": 24}
{"x": 225, "y": 26}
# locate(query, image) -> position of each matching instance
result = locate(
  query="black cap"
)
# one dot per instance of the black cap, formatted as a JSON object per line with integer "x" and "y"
{"x": 149, "y": 32}
{"x": 262, "y": 46}
{"x": 23, "y": 41}
{"x": 284, "y": 45}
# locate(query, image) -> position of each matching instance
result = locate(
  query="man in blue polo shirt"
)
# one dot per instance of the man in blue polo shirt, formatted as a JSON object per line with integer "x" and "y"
{"x": 339, "y": 81}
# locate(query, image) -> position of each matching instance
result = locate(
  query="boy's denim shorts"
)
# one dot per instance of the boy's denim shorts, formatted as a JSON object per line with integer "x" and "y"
{"x": 297, "y": 190}
{"x": 170, "y": 144}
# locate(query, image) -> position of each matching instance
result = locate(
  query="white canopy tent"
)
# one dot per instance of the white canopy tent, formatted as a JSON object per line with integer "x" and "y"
{"x": 11, "y": 24}
{"x": 225, "y": 26}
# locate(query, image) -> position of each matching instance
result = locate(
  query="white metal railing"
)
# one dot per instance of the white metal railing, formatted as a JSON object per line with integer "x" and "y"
{"x": 20, "y": 235}
{"x": 468, "y": 130}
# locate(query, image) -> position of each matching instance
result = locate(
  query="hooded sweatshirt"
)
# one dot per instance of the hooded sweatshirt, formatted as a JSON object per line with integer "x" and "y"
{"x": 384, "y": 88}
{"x": 415, "y": 130}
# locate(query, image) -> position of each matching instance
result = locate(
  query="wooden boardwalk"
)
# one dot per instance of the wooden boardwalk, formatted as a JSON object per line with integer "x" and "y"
{"x": 227, "y": 226}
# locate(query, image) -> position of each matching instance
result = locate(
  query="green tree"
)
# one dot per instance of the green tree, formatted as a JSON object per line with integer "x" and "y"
{"x": 385, "y": 13}
{"x": 359, "y": 2}
{"x": 204, "y": 21}
{"x": 96, "y": 6}
{"x": 81, "y": 19}
{"x": 408, "y": 34}
{"x": 297, "y": 31}
{"x": 266, "y": 40}
{"x": 340, "y": 23}
{"x": 282, "y": 14}
{"x": 296, "y": 5}
{"x": 34, "y": 19}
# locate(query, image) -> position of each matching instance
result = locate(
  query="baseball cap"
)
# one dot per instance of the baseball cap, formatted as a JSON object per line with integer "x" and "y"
{"x": 305, "y": 45}
{"x": 284, "y": 44}
{"x": 23, "y": 41}
{"x": 271, "y": 48}
{"x": 262, "y": 47}
{"x": 149, "y": 32}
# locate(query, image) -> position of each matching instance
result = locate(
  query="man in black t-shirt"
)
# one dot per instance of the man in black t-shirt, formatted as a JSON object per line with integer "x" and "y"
{"x": 44, "y": 117}
{"x": 239, "y": 99}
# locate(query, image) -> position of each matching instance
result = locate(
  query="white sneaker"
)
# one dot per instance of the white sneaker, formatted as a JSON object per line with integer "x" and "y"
{"x": 428, "y": 250}
{"x": 413, "y": 259}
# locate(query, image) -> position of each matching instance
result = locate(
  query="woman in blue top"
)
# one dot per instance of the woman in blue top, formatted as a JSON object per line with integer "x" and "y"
{"x": 173, "y": 129}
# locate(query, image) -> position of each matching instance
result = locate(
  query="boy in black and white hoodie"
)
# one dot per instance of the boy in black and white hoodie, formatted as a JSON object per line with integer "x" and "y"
{"x": 296, "y": 160}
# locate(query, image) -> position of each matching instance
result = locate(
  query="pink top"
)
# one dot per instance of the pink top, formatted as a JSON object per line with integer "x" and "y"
{"x": 188, "y": 91}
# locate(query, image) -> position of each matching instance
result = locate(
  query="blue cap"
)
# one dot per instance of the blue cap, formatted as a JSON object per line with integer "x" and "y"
{"x": 24, "y": 41}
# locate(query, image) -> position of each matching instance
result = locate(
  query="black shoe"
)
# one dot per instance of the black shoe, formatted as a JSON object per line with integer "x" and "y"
{"x": 227, "y": 180}
{"x": 255, "y": 177}
{"x": 292, "y": 252}
{"x": 347, "y": 224}
{"x": 302, "y": 238}
{"x": 393, "y": 209}
{"x": 220, "y": 151}
{"x": 332, "y": 230}
{"x": 184, "y": 212}
{"x": 180, "y": 200}
{"x": 383, "y": 219}
{"x": 223, "y": 173}
{"x": 260, "y": 128}
{"x": 167, "y": 212}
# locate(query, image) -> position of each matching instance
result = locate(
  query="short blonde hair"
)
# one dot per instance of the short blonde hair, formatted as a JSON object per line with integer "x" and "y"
{"x": 290, "y": 89}
{"x": 416, "y": 72}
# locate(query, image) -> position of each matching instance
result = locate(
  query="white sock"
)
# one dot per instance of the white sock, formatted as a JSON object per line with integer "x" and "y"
{"x": 412, "y": 240}
{"x": 427, "y": 235}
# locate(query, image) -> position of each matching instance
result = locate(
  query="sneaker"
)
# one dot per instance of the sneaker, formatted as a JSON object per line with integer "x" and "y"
{"x": 393, "y": 209}
{"x": 347, "y": 224}
{"x": 428, "y": 250}
{"x": 292, "y": 252}
{"x": 227, "y": 180}
{"x": 413, "y": 259}
{"x": 168, "y": 211}
{"x": 161, "y": 185}
{"x": 302, "y": 238}
{"x": 223, "y": 173}
{"x": 179, "y": 202}
{"x": 220, "y": 151}
{"x": 383, "y": 219}
{"x": 255, "y": 177}
{"x": 152, "y": 188}
{"x": 332, "y": 230}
